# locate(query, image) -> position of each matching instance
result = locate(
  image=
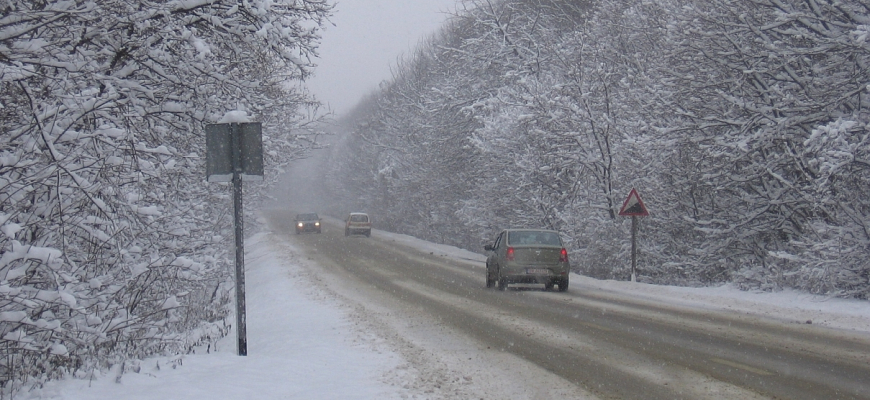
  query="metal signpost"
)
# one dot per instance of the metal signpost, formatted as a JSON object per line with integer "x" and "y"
{"x": 633, "y": 207}
{"x": 234, "y": 152}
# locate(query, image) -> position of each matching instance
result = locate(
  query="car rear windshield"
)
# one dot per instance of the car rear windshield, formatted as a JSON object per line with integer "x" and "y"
{"x": 534, "y": 237}
{"x": 359, "y": 218}
{"x": 306, "y": 217}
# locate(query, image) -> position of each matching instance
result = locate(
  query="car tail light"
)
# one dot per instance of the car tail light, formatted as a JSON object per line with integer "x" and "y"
{"x": 563, "y": 256}
{"x": 510, "y": 254}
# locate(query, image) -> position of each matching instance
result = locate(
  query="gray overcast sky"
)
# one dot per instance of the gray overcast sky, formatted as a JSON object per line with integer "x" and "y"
{"x": 368, "y": 38}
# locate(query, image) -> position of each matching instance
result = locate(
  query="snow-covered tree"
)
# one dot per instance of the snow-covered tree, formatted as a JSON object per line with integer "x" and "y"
{"x": 765, "y": 91}
{"x": 112, "y": 244}
{"x": 743, "y": 123}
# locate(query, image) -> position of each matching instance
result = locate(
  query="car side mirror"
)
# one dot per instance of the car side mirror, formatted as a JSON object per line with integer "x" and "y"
{"x": 488, "y": 247}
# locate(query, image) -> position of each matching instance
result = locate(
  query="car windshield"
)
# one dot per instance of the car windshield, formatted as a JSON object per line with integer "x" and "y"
{"x": 359, "y": 218}
{"x": 534, "y": 237}
{"x": 306, "y": 217}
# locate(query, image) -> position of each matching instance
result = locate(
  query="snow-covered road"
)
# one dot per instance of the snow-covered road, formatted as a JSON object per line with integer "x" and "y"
{"x": 610, "y": 344}
{"x": 311, "y": 337}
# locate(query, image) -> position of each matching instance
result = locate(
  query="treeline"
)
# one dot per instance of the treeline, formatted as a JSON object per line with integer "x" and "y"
{"x": 742, "y": 123}
{"x": 112, "y": 245}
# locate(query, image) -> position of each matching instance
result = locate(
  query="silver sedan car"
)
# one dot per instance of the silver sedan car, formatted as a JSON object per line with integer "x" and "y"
{"x": 527, "y": 256}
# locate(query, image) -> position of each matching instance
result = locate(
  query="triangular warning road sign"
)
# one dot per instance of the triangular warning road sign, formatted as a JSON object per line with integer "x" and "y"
{"x": 633, "y": 206}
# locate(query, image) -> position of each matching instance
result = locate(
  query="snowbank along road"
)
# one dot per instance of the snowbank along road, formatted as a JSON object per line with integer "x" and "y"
{"x": 463, "y": 340}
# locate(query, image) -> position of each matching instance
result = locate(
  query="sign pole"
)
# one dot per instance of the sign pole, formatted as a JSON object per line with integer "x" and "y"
{"x": 238, "y": 212}
{"x": 234, "y": 151}
{"x": 633, "y": 207}
{"x": 634, "y": 248}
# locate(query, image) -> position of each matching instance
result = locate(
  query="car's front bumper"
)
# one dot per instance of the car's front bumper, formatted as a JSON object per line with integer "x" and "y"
{"x": 309, "y": 227}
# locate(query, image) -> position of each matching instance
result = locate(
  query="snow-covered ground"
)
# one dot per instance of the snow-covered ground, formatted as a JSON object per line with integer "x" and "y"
{"x": 303, "y": 343}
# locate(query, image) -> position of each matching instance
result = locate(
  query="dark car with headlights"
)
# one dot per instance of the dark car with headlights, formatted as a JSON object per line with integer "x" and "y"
{"x": 309, "y": 222}
{"x": 527, "y": 256}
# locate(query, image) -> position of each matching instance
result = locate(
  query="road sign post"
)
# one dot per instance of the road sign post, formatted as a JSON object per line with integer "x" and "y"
{"x": 633, "y": 207}
{"x": 234, "y": 151}
{"x": 634, "y": 248}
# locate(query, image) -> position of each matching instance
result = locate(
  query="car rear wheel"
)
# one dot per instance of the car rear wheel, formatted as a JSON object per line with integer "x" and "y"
{"x": 563, "y": 284}
{"x": 549, "y": 285}
{"x": 502, "y": 282}
{"x": 490, "y": 281}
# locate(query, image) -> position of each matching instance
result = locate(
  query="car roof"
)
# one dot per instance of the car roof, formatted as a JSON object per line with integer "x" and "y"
{"x": 529, "y": 230}
{"x": 358, "y": 213}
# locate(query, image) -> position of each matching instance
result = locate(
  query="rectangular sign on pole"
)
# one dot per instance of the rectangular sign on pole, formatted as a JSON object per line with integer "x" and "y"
{"x": 219, "y": 145}
{"x": 234, "y": 153}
